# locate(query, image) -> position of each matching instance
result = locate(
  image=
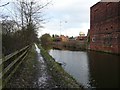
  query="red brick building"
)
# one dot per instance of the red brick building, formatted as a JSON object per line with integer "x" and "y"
{"x": 105, "y": 27}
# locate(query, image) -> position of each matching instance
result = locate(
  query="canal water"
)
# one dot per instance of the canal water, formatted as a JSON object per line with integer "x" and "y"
{"x": 91, "y": 69}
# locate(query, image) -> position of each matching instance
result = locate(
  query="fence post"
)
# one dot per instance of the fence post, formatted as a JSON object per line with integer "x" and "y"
{"x": 0, "y": 74}
{"x": 0, "y": 56}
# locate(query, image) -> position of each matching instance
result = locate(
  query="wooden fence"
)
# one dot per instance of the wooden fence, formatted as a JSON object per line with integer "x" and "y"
{"x": 10, "y": 63}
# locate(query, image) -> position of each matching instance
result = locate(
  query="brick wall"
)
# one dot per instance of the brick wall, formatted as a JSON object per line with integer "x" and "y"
{"x": 105, "y": 27}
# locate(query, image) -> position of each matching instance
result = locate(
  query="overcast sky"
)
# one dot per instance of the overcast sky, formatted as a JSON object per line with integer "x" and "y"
{"x": 74, "y": 16}
{"x": 67, "y": 17}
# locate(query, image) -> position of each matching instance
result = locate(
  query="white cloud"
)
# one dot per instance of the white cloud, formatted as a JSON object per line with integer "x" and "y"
{"x": 75, "y": 12}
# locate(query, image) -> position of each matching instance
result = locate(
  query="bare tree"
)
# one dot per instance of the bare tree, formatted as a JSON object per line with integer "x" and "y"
{"x": 31, "y": 12}
{"x": 4, "y": 4}
{"x": 28, "y": 17}
{"x": 31, "y": 17}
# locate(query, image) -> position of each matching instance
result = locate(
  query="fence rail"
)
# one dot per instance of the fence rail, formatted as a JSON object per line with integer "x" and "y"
{"x": 10, "y": 63}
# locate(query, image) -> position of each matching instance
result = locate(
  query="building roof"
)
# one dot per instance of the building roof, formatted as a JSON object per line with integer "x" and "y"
{"x": 95, "y": 4}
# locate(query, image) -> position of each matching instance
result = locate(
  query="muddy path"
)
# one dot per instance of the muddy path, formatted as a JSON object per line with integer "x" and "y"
{"x": 32, "y": 73}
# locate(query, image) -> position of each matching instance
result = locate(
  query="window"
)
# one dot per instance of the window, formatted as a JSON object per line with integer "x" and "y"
{"x": 93, "y": 39}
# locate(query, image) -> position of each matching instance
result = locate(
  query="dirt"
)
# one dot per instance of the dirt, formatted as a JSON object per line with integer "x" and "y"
{"x": 32, "y": 73}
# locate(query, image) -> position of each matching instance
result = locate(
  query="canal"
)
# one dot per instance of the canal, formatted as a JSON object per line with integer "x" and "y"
{"x": 91, "y": 69}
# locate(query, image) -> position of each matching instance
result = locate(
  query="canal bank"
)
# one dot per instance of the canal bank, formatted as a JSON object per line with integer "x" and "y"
{"x": 78, "y": 47}
{"x": 32, "y": 73}
{"x": 39, "y": 73}
{"x": 73, "y": 45}
{"x": 62, "y": 78}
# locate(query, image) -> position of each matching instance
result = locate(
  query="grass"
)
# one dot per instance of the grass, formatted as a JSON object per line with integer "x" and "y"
{"x": 25, "y": 75}
{"x": 62, "y": 78}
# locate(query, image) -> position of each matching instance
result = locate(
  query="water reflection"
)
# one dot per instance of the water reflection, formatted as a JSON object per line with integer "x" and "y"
{"x": 76, "y": 64}
{"x": 104, "y": 68}
{"x": 91, "y": 69}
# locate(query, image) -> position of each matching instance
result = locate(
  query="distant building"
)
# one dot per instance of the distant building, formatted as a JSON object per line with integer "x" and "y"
{"x": 81, "y": 37}
{"x": 61, "y": 38}
{"x": 64, "y": 38}
{"x": 81, "y": 34}
{"x": 105, "y": 27}
{"x": 57, "y": 39}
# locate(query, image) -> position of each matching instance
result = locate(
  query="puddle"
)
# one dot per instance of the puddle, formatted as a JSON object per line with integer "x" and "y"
{"x": 37, "y": 49}
{"x": 43, "y": 76}
{"x": 40, "y": 58}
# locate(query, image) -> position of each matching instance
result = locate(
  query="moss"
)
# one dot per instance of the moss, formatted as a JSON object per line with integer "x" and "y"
{"x": 62, "y": 78}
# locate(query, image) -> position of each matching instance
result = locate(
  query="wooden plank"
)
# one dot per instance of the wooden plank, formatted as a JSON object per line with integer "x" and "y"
{"x": 9, "y": 56}
{"x": 0, "y": 65}
{"x": 8, "y": 78}
{"x": 0, "y": 74}
{"x": 0, "y": 61}
{"x": 13, "y": 54}
{"x": 0, "y": 87}
{"x": 0, "y": 83}
{"x": 11, "y": 64}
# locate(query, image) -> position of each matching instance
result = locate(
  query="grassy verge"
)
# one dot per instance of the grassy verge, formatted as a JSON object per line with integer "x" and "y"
{"x": 62, "y": 78}
{"x": 25, "y": 76}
